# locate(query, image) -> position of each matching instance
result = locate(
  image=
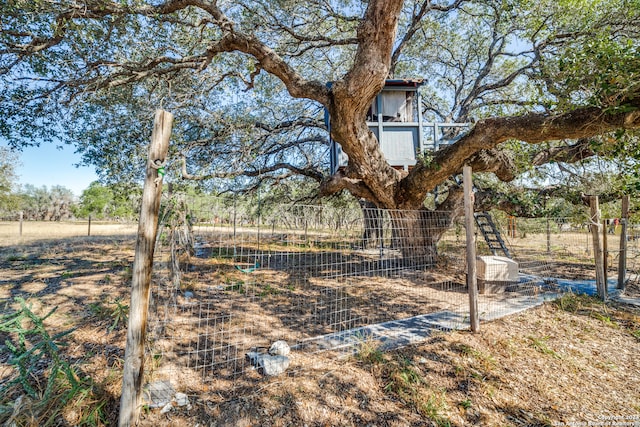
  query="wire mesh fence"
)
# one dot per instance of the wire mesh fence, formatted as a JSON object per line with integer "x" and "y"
{"x": 564, "y": 249}
{"x": 314, "y": 277}
{"x": 229, "y": 282}
{"x": 632, "y": 255}
{"x": 545, "y": 259}
{"x": 329, "y": 279}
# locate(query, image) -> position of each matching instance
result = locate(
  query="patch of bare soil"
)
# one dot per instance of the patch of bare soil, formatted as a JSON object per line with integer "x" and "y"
{"x": 563, "y": 363}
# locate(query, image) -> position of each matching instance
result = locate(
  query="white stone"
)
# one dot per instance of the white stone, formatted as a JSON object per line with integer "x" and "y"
{"x": 279, "y": 348}
{"x": 181, "y": 399}
{"x": 268, "y": 364}
{"x": 273, "y": 365}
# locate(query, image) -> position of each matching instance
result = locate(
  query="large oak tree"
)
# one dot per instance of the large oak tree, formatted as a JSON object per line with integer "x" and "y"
{"x": 558, "y": 76}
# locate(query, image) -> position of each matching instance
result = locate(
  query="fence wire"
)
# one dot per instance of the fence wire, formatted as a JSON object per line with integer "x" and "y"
{"x": 229, "y": 282}
{"x": 311, "y": 276}
{"x": 328, "y": 280}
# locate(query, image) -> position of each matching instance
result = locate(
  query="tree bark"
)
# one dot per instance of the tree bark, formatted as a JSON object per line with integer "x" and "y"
{"x": 418, "y": 231}
{"x": 373, "y": 224}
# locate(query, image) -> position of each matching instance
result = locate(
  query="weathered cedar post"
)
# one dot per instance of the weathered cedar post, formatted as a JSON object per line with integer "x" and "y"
{"x": 89, "y": 227}
{"x": 548, "y": 236}
{"x": 21, "y": 218}
{"x": 597, "y": 250}
{"x": 472, "y": 282}
{"x": 622, "y": 260}
{"x": 142, "y": 266}
{"x": 605, "y": 255}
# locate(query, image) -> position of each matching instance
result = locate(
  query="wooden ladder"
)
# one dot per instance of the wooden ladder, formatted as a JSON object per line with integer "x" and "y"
{"x": 491, "y": 234}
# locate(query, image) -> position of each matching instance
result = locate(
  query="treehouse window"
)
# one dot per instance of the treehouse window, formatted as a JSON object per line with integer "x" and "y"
{"x": 395, "y": 106}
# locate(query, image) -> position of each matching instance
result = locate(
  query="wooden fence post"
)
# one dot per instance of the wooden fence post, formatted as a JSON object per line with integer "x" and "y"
{"x": 89, "y": 226}
{"x": 472, "y": 282}
{"x": 142, "y": 266}
{"x": 548, "y": 229}
{"x": 605, "y": 255}
{"x": 597, "y": 249}
{"x": 21, "y": 219}
{"x": 622, "y": 259}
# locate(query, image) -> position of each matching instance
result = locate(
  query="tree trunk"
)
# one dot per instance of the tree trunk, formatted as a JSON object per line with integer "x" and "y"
{"x": 417, "y": 233}
{"x": 181, "y": 239}
{"x": 373, "y": 222}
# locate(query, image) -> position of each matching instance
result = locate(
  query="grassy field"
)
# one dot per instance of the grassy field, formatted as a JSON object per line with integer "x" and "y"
{"x": 567, "y": 362}
{"x": 51, "y": 230}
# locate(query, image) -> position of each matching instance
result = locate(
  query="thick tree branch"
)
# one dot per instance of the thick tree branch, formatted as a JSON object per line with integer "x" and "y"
{"x": 339, "y": 182}
{"x": 270, "y": 61}
{"x": 288, "y": 124}
{"x": 496, "y": 161}
{"x": 532, "y": 202}
{"x": 488, "y": 133}
{"x": 232, "y": 40}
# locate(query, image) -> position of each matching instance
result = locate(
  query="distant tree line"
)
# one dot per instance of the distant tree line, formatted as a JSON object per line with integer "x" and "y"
{"x": 45, "y": 204}
{"x": 57, "y": 203}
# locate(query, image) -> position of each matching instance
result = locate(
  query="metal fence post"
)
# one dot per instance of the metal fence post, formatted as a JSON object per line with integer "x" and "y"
{"x": 597, "y": 248}
{"x": 605, "y": 254}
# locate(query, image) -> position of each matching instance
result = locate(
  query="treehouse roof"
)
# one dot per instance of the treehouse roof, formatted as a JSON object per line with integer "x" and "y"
{"x": 399, "y": 83}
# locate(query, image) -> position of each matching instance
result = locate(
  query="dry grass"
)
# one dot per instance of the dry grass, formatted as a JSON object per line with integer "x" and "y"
{"x": 543, "y": 367}
{"x": 33, "y": 231}
{"x": 566, "y": 362}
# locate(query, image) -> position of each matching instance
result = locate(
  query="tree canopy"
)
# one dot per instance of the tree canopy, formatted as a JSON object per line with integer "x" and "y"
{"x": 45, "y": 204}
{"x": 545, "y": 83}
{"x": 8, "y": 179}
{"x": 115, "y": 201}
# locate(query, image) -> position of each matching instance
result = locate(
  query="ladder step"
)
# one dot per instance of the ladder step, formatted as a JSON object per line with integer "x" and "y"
{"x": 491, "y": 234}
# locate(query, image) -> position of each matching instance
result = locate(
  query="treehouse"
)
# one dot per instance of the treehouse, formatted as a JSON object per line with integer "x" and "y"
{"x": 395, "y": 117}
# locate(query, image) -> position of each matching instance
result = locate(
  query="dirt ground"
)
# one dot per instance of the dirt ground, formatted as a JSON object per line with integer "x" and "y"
{"x": 567, "y": 362}
{"x": 547, "y": 366}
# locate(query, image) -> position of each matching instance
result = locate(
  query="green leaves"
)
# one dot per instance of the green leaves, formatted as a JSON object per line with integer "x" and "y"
{"x": 32, "y": 345}
{"x": 93, "y": 75}
{"x": 113, "y": 201}
{"x": 8, "y": 179}
{"x": 593, "y": 59}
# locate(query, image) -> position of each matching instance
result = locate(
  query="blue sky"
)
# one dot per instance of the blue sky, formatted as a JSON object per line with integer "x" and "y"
{"x": 49, "y": 166}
